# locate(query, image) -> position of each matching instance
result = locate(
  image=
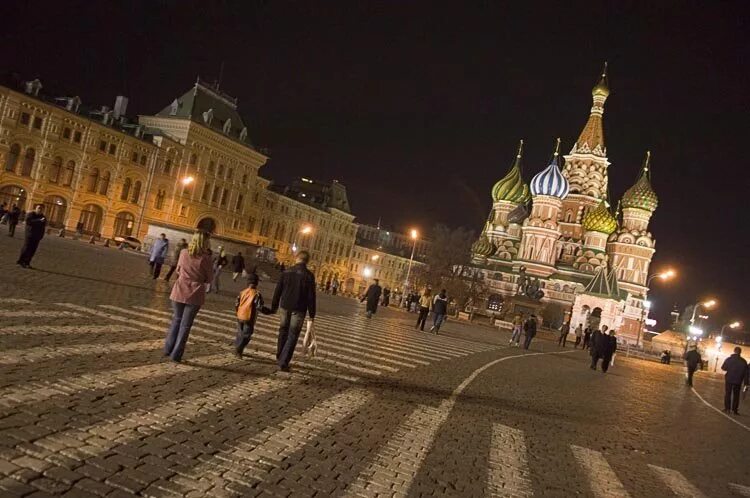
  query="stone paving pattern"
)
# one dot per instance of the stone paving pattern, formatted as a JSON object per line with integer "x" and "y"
{"x": 88, "y": 407}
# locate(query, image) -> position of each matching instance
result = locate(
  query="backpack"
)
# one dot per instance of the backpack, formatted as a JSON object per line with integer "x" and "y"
{"x": 246, "y": 303}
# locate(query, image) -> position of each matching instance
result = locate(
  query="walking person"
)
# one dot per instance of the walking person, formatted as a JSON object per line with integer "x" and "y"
{"x": 564, "y": 331}
{"x": 529, "y": 329}
{"x": 736, "y": 374}
{"x": 424, "y": 308}
{"x": 515, "y": 336}
{"x": 334, "y": 287}
{"x": 439, "y": 311}
{"x": 159, "y": 252}
{"x": 220, "y": 261}
{"x": 587, "y": 338}
{"x": 579, "y": 335}
{"x": 36, "y": 223}
{"x": 14, "y": 215}
{"x": 188, "y": 294}
{"x": 602, "y": 348}
{"x": 175, "y": 258}
{"x": 3, "y": 212}
{"x": 372, "y": 296}
{"x": 692, "y": 361}
{"x": 238, "y": 265}
{"x": 293, "y": 298}
{"x": 386, "y": 297}
{"x": 249, "y": 303}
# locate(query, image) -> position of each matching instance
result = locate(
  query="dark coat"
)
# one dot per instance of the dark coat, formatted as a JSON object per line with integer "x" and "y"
{"x": 238, "y": 263}
{"x": 14, "y": 215}
{"x": 373, "y": 297}
{"x": 295, "y": 291}
{"x": 736, "y": 369}
{"x": 440, "y": 305}
{"x": 693, "y": 359}
{"x": 605, "y": 345}
{"x": 35, "y": 225}
{"x": 529, "y": 328}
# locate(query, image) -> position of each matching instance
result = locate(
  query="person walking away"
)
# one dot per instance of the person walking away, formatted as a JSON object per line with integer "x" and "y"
{"x": 529, "y": 329}
{"x": 334, "y": 287}
{"x": 601, "y": 349}
{"x": 564, "y": 331}
{"x": 608, "y": 358}
{"x": 220, "y": 261}
{"x": 439, "y": 311}
{"x": 579, "y": 334}
{"x": 13, "y": 217}
{"x": 293, "y": 298}
{"x": 424, "y": 308}
{"x": 736, "y": 370}
{"x": 515, "y": 336}
{"x": 175, "y": 258}
{"x": 35, "y": 226}
{"x": 587, "y": 338}
{"x": 692, "y": 360}
{"x": 188, "y": 294}
{"x": 372, "y": 296}
{"x": 249, "y": 303}
{"x": 159, "y": 252}
{"x": 238, "y": 265}
{"x": 386, "y": 297}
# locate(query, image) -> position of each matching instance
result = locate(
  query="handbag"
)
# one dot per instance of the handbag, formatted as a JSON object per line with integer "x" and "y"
{"x": 309, "y": 344}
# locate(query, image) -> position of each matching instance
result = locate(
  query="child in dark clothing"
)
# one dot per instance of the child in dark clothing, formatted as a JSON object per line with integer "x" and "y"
{"x": 248, "y": 304}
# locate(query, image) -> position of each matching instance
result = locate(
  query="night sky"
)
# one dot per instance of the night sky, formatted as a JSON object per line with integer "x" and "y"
{"x": 417, "y": 107}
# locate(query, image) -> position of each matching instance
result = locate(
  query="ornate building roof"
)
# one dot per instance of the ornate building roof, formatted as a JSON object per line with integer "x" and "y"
{"x": 550, "y": 181}
{"x": 600, "y": 219}
{"x": 641, "y": 195}
{"x": 483, "y": 246}
{"x": 604, "y": 284}
{"x": 511, "y": 187}
{"x": 591, "y": 139}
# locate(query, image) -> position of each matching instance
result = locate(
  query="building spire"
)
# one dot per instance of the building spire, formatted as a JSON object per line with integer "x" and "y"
{"x": 591, "y": 140}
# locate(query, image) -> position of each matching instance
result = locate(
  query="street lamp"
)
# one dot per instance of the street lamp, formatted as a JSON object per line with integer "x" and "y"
{"x": 708, "y": 304}
{"x": 664, "y": 275}
{"x": 414, "y": 236}
{"x": 367, "y": 272}
{"x": 644, "y": 313}
{"x": 188, "y": 180}
{"x": 732, "y": 325}
{"x": 305, "y": 230}
{"x": 695, "y": 331}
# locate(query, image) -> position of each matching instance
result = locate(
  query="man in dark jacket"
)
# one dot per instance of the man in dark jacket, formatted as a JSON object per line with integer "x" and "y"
{"x": 238, "y": 265}
{"x": 35, "y": 226}
{"x": 603, "y": 346}
{"x": 529, "y": 329}
{"x": 14, "y": 215}
{"x": 736, "y": 374}
{"x": 294, "y": 297}
{"x": 564, "y": 331}
{"x": 372, "y": 296}
{"x": 692, "y": 360}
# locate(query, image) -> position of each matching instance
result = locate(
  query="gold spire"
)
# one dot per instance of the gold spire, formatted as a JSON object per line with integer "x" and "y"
{"x": 557, "y": 147}
{"x": 602, "y": 87}
{"x": 520, "y": 149}
{"x": 591, "y": 140}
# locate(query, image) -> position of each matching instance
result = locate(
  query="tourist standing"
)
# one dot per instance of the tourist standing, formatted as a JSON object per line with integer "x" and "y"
{"x": 424, "y": 308}
{"x": 372, "y": 296}
{"x": 35, "y": 226}
{"x": 194, "y": 271}
{"x": 439, "y": 311}
{"x": 579, "y": 335}
{"x": 220, "y": 261}
{"x": 603, "y": 346}
{"x": 294, "y": 297}
{"x": 736, "y": 374}
{"x": 175, "y": 258}
{"x": 159, "y": 252}
{"x": 587, "y": 338}
{"x": 13, "y": 216}
{"x": 564, "y": 331}
{"x": 692, "y": 360}
{"x": 238, "y": 265}
{"x": 517, "y": 329}
{"x": 334, "y": 287}
{"x": 386, "y": 297}
{"x": 529, "y": 329}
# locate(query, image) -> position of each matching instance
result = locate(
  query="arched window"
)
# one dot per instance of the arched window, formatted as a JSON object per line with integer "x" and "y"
{"x": 207, "y": 225}
{"x": 159, "y": 203}
{"x": 193, "y": 159}
{"x": 136, "y": 192}
{"x": 28, "y": 162}
{"x": 54, "y": 170}
{"x": 12, "y": 160}
{"x": 93, "y": 179}
{"x": 104, "y": 183}
{"x": 168, "y": 167}
{"x": 125, "y": 189}
{"x": 70, "y": 170}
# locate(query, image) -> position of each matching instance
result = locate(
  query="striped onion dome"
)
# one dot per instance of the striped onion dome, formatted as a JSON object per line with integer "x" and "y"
{"x": 550, "y": 181}
{"x": 641, "y": 195}
{"x": 483, "y": 246}
{"x": 512, "y": 188}
{"x": 600, "y": 219}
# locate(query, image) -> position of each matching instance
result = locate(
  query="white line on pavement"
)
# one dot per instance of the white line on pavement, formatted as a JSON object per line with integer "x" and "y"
{"x": 36, "y": 313}
{"x": 740, "y": 489}
{"x": 65, "y": 329}
{"x": 676, "y": 482}
{"x": 11, "y": 300}
{"x": 719, "y": 411}
{"x": 602, "y": 479}
{"x": 508, "y": 473}
{"x": 16, "y": 356}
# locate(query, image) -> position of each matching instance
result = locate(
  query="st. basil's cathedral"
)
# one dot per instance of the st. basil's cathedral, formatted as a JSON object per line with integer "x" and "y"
{"x": 561, "y": 241}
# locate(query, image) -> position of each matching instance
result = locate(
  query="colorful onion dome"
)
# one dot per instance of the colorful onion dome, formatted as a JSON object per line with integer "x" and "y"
{"x": 483, "y": 246}
{"x": 600, "y": 219}
{"x": 550, "y": 181}
{"x": 512, "y": 188}
{"x": 602, "y": 87}
{"x": 641, "y": 195}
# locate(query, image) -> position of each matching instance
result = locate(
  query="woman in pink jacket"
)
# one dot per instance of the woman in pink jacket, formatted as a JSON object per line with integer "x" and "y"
{"x": 194, "y": 271}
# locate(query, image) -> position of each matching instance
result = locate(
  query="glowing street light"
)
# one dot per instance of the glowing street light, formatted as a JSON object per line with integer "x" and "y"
{"x": 375, "y": 257}
{"x": 188, "y": 180}
{"x": 367, "y": 272}
{"x": 707, "y": 304}
{"x": 664, "y": 275}
{"x": 732, "y": 325}
{"x": 306, "y": 230}
{"x": 696, "y": 331}
{"x": 414, "y": 236}
{"x": 644, "y": 313}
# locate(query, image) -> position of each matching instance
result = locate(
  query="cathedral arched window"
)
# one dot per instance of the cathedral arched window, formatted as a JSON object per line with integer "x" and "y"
{"x": 93, "y": 179}
{"x": 104, "y": 183}
{"x": 136, "y": 192}
{"x": 12, "y": 159}
{"x": 28, "y": 162}
{"x": 54, "y": 170}
{"x": 126, "y": 189}
{"x": 69, "y": 173}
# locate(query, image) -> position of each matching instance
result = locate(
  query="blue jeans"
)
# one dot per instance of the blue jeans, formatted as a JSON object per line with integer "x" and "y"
{"x": 244, "y": 334}
{"x": 179, "y": 330}
{"x": 289, "y": 330}
{"x": 437, "y": 321}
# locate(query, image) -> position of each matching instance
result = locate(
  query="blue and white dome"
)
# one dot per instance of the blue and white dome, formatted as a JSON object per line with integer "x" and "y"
{"x": 550, "y": 181}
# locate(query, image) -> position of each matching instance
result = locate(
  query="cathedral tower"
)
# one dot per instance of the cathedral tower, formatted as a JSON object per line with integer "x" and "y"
{"x": 632, "y": 246}
{"x": 598, "y": 224}
{"x": 541, "y": 231}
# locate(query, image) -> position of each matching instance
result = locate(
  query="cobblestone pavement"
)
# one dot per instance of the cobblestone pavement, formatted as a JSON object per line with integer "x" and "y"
{"x": 88, "y": 407}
